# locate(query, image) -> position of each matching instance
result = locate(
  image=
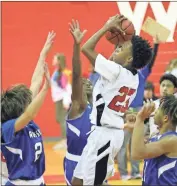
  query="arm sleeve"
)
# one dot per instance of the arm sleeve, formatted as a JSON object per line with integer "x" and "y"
{"x": 8, "y": 130}
{"x": 145, "y": 72}
{"x": 155, "y": 50}
{"x": 106, "y": 68}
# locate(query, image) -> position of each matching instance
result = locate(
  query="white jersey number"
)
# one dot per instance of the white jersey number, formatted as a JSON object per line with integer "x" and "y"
{"x": 38, "y": 149}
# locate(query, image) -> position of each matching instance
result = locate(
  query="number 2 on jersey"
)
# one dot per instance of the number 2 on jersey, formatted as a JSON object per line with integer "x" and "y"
{"x": 38, "y": 150}
{"x": 124, "y": 91}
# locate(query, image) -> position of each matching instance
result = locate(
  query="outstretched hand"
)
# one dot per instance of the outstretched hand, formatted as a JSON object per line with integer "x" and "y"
{"x": 47, "y": 76}
{"x": 77, "y": 34}
{"x": 49, "y": 42}
{"x": 115, "y": 22}
{"x": 147, "y": 110}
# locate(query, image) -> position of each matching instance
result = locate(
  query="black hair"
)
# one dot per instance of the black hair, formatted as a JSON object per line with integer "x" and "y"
{"x": 142, "y": 52}
{"x": 14, "y": 102}
{"x": 168, "y": 105}
{"x": 169, "y": 77}
{"x": 149, "y": 86}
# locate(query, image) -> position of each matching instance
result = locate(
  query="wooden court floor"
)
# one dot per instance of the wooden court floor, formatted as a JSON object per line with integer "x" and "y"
{"x": 54, "y": 168}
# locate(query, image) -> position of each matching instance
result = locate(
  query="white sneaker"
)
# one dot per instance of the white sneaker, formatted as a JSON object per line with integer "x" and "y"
{"x": 126, "y": 177}
{"x": 137, "y": 176}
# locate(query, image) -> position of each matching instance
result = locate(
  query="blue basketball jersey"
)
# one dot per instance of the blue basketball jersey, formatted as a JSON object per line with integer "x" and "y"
{"x": 77, "y": 133}
{"x": 161, "y": 170}
{"x": 23, "y": 151}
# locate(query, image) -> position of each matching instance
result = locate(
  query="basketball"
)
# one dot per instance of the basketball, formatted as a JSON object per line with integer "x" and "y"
{"x": 116, "y": 37}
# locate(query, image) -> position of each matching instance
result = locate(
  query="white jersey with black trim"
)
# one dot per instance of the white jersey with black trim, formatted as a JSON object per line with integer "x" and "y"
{"x": 113, "y": 93}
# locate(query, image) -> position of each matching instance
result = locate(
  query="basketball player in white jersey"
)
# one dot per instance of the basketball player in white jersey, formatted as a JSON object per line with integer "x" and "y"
{"x": 113, "y": 93}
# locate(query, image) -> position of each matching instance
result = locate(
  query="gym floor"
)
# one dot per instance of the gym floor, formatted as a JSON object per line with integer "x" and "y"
{"x": 54, "y": 168}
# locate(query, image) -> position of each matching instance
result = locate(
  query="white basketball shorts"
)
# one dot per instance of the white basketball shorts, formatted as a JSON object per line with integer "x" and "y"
{"x": 97, "y": 160}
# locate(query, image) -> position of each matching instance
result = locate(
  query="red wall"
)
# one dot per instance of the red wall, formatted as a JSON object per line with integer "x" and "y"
{"x": 25, "y": 26}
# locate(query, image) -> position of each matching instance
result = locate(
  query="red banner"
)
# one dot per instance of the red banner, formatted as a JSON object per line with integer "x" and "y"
{"x": 25, "y": 26}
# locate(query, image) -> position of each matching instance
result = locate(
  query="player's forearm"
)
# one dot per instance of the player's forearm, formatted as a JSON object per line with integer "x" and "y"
{"x": 37, "y": 78}
{"x": 76, "y": 63}
{"x": 31, "y": 110}
{"x": 38, "y": 73}
{"x": 88, "y": 48}
{"x": 36, "y": 104}
{"x": 138, "y": 146}
{"x": 35, "y": 86}
{"x": 91, "y": 43}
{"x": 155, "y": 50}
{"x": 76, "y": 77}
{"x": 39, "y": 67}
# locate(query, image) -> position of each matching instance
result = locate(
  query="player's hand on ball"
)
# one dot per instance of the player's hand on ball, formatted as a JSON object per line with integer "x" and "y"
{"x": 47, "y": 76}
{"x": 49, "y": 42}
{"x": 77, "y": 34}
{"x": 147, "y": 110}
{"x": 115, "y": 22}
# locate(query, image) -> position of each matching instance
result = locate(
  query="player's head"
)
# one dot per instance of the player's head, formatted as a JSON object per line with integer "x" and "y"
{"x": 14, "y": 102}
{"x": 168, "y": 84}
{"x": 148, "y": 90}
{"x": 135, "y": 53}
{"x": 166, "y": 114}
{"x": 59, "y": 60}
{"x": 87, "y": 88}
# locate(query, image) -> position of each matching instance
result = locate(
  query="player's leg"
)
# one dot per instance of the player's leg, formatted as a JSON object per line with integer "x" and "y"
{"x": 78, "y": 172}
{"x": 60, "y": 116}
{"x": 69, "y": 167}
{"x": 87, "y": 157}
{"x": 105, "y": 183}
{"x": 76, "y": 181}
{"x": 122, "y": 156}
{"x": 99, "y": 165}
{"x": 3, "y": 180}
{"x": 135, "y": 166}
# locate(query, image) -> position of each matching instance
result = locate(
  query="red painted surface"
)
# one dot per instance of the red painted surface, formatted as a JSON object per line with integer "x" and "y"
{"x": 25, "y": 26}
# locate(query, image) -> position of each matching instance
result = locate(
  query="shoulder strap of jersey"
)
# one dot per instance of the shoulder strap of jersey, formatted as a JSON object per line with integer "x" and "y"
{"x": 168, "y": 134}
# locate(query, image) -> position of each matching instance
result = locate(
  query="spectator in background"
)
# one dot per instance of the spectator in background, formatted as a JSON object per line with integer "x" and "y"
{"x": 172, "y": 69}
{"x": 148, "y": 94}
{"x": 149, "y": 91}
{"x": 134, "y": 107}
{"x": 61, "y": 93}
{"x": 168, "y": 86}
